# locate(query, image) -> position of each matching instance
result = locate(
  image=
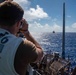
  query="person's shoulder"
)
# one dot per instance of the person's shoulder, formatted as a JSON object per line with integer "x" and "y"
{"x": 27, "y": 49}
{"x": 28, "y": 43}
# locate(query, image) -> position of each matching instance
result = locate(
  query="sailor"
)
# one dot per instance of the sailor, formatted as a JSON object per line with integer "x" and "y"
{"x": 16, "y": 53}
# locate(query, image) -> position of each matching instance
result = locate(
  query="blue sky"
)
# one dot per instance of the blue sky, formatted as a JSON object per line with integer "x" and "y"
{"x": 46, "y": 15}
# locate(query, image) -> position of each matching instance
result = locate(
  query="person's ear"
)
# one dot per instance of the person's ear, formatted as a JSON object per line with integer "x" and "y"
{"x": 18, "y": 23}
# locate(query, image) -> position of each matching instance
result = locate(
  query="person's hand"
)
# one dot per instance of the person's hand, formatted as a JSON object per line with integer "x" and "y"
{"x": 23, "y": 28}
{"x": 24, "y": 25}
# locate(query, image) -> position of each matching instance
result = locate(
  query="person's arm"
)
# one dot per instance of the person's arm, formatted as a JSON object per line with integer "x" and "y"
{"x": 38, "y": 47}
{"x": 29, "y": 37}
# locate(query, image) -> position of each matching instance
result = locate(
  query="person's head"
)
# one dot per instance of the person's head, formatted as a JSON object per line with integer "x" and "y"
{"x": 4, "y": 0}
{"x": 10, "y": 13}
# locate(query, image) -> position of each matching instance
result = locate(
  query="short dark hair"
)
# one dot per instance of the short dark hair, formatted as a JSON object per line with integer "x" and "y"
{"x": 10, "y": 13}
{"x": 2, "y": 1}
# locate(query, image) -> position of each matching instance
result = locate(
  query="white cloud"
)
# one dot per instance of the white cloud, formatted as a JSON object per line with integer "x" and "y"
{"x": 71, "y": 28}
{"x": 37, "y": 27}
{"x": 22, "y": 1}
{"x": 31, "y": 14}
{"x": 57, "y": 28}
{"x": 54, "y": 20}
{"x": 69, "y": 16}
{"x": 34, "y": 14}
{"x": 74, "y": 25}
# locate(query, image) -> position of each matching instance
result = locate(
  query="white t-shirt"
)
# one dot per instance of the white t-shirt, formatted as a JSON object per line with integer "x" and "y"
{"x": 8, "y": 47}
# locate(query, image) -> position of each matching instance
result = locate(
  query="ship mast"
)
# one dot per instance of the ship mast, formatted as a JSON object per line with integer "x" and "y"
{"x": 63, "y": 36}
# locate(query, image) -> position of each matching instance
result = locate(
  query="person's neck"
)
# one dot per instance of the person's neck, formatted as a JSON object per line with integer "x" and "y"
{"x": 10, "y": 29}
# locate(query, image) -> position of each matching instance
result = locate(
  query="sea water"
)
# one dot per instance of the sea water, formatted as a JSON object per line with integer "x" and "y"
{"x": 53, "y": 42}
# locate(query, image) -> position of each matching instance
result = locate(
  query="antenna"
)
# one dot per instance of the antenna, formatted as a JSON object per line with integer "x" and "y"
{"x": 63, "y": 36}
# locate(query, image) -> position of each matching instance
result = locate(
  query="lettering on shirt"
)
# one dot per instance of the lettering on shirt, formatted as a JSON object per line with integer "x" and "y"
{"x": 3, "y": 40}
{"x": 1, "y": 47}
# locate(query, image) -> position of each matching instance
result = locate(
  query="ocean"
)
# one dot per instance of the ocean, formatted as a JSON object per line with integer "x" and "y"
{"x": 53, "y": 42}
